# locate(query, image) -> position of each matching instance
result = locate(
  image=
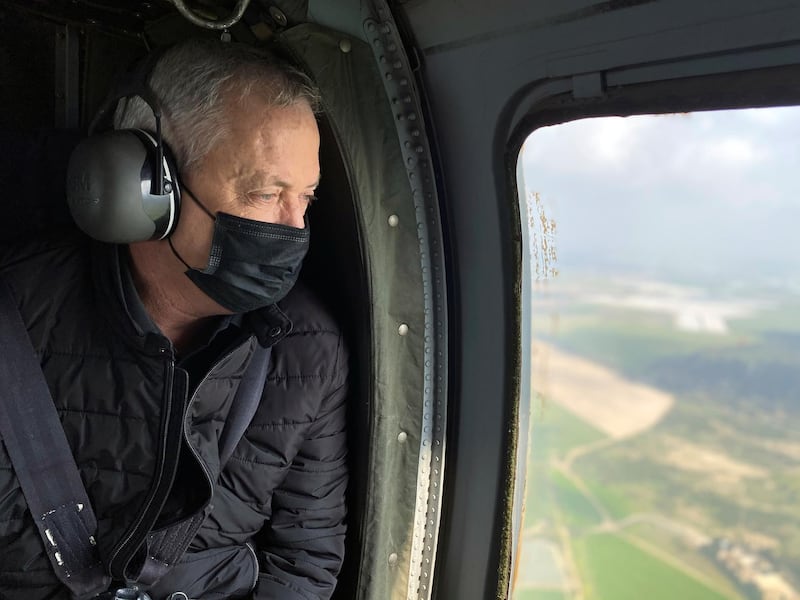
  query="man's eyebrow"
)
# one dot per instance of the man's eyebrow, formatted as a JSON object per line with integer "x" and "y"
{"x": 262, "y": 179}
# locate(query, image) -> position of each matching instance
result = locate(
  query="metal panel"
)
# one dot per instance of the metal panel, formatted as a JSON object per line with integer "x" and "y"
{"x": 477, "y": 79}
{"x": 67, "y": 78}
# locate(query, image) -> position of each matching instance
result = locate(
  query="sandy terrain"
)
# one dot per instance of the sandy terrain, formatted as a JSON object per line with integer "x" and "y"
{"x": 614, "y": 405}
{"x": 699, "y": 459}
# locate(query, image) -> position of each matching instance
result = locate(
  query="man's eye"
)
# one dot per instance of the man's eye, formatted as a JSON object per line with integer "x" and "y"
{"x": 310, "y": 199}
{"x": 267, "y": 197}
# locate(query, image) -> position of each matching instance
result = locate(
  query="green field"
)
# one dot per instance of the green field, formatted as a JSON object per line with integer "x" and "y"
{"x": 615, "y": 569}
{"x": 554, "y": 432}
{"x": 576, "y": 510}
{"x": 724, "y": 463}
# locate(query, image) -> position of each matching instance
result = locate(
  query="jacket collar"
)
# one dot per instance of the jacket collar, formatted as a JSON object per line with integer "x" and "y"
{"x": 114, "y": 286}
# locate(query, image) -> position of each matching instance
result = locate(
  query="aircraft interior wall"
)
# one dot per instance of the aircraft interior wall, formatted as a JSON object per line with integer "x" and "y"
{"x": 494, "y": 76}
{"x": 371, "y": 255}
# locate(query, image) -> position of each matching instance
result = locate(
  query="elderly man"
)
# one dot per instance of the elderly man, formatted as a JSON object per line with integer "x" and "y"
{"x": 143, "y": 347}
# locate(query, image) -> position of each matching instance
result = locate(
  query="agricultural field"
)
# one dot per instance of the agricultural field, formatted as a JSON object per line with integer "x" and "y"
{"x": 663, "y": 458}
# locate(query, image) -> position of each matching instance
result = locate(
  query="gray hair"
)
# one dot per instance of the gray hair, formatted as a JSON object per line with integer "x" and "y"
{"x": 194, "y": 80}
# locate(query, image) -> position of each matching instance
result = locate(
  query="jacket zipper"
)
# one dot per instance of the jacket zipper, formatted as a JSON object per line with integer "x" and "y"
{"x": 136, "y": 532}
{"x": 255, "y": 562}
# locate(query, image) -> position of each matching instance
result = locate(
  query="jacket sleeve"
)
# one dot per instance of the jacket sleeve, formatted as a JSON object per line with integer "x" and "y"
{"x": 302, "y": 547}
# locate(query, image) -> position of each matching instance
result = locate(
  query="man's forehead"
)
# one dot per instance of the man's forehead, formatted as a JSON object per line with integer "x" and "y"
{"x": 264, "y": 178}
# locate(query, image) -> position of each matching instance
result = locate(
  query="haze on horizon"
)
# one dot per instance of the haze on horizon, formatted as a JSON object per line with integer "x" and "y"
{"x": 705, "y": 196}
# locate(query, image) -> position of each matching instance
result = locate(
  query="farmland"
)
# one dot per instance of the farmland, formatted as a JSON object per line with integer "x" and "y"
{"x": 663, "y": 461}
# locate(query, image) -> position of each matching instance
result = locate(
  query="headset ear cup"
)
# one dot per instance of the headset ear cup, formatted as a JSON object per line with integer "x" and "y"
{"x": 110, "y": 188}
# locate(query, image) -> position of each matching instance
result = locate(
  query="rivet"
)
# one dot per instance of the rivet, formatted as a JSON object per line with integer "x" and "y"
{"x": 394, "y": 220}
{"x": 371, "y": 26}
{"x": 402, "y": 437}
{"x": 392, "y": 559}
{"x": 345, "y": 46}
{"x": 403, "y": 329}
{"x": 419, "y": 149}
{"x": 404, "y": 81}
{"x": 278, "y": 15}
{"x": 415, "y": 133}
{"x": 397, "y": 64}
{"x": 388, "y": 77}
{"x": 412, "y": 117}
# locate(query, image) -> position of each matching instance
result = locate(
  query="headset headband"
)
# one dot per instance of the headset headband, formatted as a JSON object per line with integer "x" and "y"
{"x": 134, "y": 83}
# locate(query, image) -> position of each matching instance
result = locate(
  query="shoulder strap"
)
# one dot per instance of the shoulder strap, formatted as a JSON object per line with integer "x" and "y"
{"x": 245, "y": 403}
{"x": 43, "y": 461}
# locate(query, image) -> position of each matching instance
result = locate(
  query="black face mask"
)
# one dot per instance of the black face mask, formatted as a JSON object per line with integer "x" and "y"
{"x": 251, "y": 264}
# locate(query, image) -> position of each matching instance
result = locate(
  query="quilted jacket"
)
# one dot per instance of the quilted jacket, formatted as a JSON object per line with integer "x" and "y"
{"x": 146, "y": 438}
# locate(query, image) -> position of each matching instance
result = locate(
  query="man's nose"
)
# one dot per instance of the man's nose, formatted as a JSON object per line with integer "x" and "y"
{"x": 293, "y": 214}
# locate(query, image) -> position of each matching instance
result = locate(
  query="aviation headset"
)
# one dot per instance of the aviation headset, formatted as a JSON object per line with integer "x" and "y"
{"x": 122, "y": 185}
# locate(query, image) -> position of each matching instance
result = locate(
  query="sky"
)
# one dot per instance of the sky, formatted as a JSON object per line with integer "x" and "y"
{"x": 705, "y": 194}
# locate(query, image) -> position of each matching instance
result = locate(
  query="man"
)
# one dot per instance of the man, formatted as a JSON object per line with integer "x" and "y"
{"x": 143, "y": 348}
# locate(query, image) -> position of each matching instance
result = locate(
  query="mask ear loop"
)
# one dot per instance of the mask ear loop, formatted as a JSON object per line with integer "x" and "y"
{"x": 178, "y": 256}
{"x": 205, "y": 210}
{"x": 200, "y": 204}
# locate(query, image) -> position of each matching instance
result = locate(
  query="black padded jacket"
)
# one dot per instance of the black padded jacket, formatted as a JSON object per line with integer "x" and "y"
{"x": 275, "y": 511}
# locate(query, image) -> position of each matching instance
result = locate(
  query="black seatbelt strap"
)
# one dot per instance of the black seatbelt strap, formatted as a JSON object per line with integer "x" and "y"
{"x": 245, "y": 403}
{"x": 42, "y": 459}
{"x": 166, "y": 546}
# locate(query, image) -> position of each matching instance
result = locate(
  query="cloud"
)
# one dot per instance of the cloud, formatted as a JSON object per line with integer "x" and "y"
{"x": 684, "y": 186}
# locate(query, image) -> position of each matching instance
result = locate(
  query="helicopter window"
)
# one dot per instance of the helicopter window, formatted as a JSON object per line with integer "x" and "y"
{"x": 664, "y": 346}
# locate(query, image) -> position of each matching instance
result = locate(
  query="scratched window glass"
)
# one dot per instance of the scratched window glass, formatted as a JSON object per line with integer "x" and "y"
{"x": 664, "y": 449}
